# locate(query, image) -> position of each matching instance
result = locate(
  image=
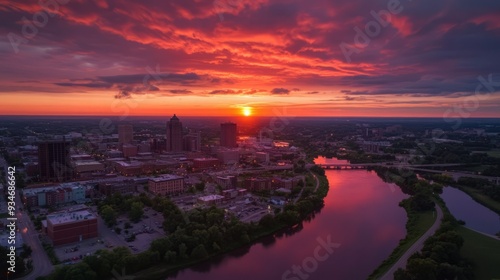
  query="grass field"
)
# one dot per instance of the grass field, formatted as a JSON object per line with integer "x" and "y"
{"x": 483, "y": 251}
{"x": 423, "y": 221}
{"x": 492, "y": 153}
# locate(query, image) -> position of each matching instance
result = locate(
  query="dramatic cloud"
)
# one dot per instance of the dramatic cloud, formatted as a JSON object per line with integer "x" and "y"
{"x": 180, "y": 91}
{"x": 344, "y": 48}
{"x": 280, "y": 91}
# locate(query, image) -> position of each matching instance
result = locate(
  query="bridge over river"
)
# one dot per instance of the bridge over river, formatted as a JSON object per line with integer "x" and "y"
{"x": 416, "y": 167}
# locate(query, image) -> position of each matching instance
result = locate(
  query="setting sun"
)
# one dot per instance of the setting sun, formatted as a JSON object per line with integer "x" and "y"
{"x": 247, "y": 111}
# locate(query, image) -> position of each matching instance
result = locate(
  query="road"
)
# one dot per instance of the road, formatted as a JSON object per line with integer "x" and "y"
{"x": 483, "y": 233}
{"x": 41, "y": 263}
{"x": 417, "y": 246}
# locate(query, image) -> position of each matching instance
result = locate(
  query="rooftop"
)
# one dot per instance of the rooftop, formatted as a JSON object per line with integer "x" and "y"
{"x": 70, "y": 217}
{"x": 205, "y": 159}
{"x": 86, "y": 162}
{"x": 67, "y": 186}
{"x": 166, "y": 177}
{"x": 129, "y": 164}
{"x": 210, "y": 197}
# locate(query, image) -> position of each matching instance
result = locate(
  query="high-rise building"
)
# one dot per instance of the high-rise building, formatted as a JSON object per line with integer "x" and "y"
{"x": 125, "y": 134}
{"x": 192, "y": 142}
{"x": 174, "y": 135}
{"x": 228, "y": 133}
{"x": 54, "y": 161}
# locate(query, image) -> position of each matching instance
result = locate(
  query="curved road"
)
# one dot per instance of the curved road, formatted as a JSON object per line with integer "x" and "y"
{"x": 417, "y": 246}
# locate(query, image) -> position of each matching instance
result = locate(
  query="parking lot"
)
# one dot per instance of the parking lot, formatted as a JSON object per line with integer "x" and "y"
{"x": 73, "y": 253}
{"x": 147, "y": 230}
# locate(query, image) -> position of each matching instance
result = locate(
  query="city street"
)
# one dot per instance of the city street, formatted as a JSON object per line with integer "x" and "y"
{"x": 41, "y": 263}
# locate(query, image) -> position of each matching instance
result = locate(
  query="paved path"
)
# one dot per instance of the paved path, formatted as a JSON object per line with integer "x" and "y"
{"x": 483, "y": 233}
{"x": 317, "y": 181}
{"x": 417, "y": 246}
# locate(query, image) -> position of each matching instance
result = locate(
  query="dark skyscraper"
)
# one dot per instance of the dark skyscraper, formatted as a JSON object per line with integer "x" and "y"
{"x": 228, "y": 133}
{"x": 53, "y": 160}
{"x": 174, "y": 135}
{"x": 125, "y": 134}
{"x": 192, "y": 142}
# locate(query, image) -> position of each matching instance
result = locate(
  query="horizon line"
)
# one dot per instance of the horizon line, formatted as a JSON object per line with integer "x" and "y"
{"x": 249, "y": 117}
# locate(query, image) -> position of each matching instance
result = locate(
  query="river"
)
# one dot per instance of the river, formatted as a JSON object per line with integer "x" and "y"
{"x": 361, "y": 218}
{"x": 475, "y": 215}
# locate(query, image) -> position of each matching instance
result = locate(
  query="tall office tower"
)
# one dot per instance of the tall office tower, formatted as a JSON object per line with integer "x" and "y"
{"x": 192, "y": 142}
{"x": 53, "y": 160}
{"x": 125, "y": 134}
{"x": 228, "y": 135}
{"x": 174, "y": 135}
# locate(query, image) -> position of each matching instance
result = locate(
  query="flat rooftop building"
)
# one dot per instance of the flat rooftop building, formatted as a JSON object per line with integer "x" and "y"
{"x": 166, "y": 184}
{"x": 70, "y": 227}
{"x": 211, "y": 199}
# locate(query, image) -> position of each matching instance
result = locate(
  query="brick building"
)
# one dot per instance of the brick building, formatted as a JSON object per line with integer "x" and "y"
{"x": 257, "y": 184}
{"x": 166, "y": 184}
{"x": 64, "y": 228}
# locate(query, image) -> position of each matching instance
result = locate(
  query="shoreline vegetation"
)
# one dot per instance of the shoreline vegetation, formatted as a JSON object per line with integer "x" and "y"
{"x": 418, "y": 210}
{"x": 480, "y": 190}
{"x": 453, "y": 251}
{"x": 195, "y": 237}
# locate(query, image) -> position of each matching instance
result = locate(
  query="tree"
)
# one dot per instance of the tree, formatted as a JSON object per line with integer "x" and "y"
{"x": 216, "y": 247}
{"x": 170, "y": 256}
{"x": 136, "y": 212}
{"x": 109, "y": 215}
{"x": 81, "y": 271}
{"x": 267, "y": 221}
{"x": 199, "y": 252}
{"x": 424, "y": 269}
{"x": 183, "y": 251}
{"x": 26, "y": 251}
{"x": 200, "y": 186}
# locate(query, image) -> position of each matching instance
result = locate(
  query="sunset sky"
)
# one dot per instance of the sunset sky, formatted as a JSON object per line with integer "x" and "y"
{"x": 251, "y": 57}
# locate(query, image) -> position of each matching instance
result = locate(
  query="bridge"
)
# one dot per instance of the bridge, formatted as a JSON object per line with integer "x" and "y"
{"x": 384, "y": 164}
{"x": 340, "y": 166}
{"x": 414, "y": 167}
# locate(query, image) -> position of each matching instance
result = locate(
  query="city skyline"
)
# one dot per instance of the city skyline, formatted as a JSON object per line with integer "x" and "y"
{"x": 251, "y": 58}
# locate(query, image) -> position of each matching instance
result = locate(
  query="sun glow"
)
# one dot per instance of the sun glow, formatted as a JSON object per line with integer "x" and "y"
{"x": 247, "y": 111}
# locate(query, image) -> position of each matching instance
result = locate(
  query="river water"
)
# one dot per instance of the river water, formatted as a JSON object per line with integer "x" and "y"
{"x": 475, "y": 215}
{"x": 361, "y": 220}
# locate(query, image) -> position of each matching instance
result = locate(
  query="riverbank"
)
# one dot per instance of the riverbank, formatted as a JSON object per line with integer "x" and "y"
{"x": 417, "y": 224}
{"x": 161, "y": 270}
{"x": 481, "y": 198}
